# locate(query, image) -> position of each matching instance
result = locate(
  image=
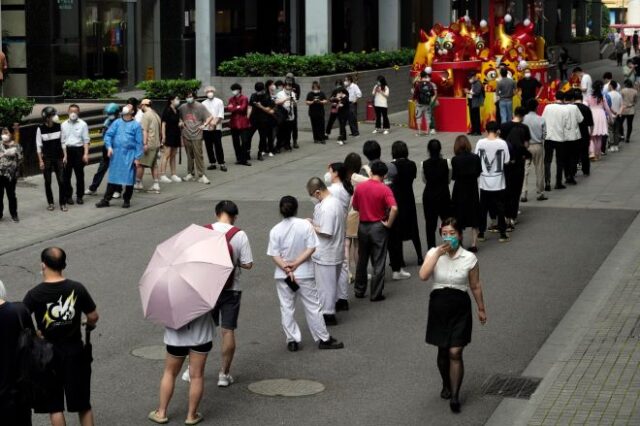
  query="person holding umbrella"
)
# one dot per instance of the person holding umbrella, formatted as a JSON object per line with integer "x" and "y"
{"x": 291, "y": 244}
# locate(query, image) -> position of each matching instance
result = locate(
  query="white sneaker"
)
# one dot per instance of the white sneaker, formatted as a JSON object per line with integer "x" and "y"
{"x": 188, "y": 178}
{"x": 176, "y": 179}
{"x": 432, "y": 132}
{"x": 386, "y": 132}
{"x": 89, "y": 192}
{"x": 224, "y": 380}
{"x": 116, "y": 195}
{"x": 165, "y": 179}
{"x": 340, "y": 143}
{"x": 271, "y": 154}
{"x": 185, "y": 375}
{"x": 204, "y": 180}
{"x": 138, "y": 186}
{"x": 375, "y": 131}
{"x": 155, "y": 189}
{"x": 401, "y": 275}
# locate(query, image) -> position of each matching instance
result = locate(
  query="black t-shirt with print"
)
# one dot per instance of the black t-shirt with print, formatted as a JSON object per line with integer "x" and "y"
{"x": 529, "y": 87}
{"x": 317, "y": 108}
{"x": 58, "y": 308}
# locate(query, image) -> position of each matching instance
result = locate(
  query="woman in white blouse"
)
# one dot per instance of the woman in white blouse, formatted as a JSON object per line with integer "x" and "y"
{"x": 380, "y": 94}
{"x": 455, "y": 271}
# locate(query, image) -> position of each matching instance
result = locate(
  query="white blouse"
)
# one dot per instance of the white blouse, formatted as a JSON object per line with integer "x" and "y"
{"x": 453, "y": 272}
{"x": 380, "y": 98}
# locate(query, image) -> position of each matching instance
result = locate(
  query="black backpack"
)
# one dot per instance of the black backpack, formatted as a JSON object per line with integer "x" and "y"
{"x": 425, "y": 93}
{"x": 34, "y": 367}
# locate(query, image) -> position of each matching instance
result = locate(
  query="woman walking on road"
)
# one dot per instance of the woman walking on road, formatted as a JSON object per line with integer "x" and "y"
{"x": 436, "y": 199}
{"x": 600, "y": 110}
{"x": 380, "y": 102}
{"x": 454, "y": 271}
{"x": 466, "y": 169}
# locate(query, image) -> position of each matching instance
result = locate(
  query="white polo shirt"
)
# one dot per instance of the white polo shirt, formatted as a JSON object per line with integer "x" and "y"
{"x": 328, "y": 215}
{"x": 215, "y": 107}
{"x": 354, "y": 92}
{"x": 453, "y": 272}
{"x": 337, "y": 190}
{"x": 74, "y": 134}
{"x": 288, "y": 239}
{"x": 241, "y": 251}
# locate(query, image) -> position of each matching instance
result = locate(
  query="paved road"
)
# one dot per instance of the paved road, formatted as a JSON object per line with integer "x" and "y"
{"x": 386, "y": 375}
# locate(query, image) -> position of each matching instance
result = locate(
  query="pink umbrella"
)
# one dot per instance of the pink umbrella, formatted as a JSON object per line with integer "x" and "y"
{"x": 185, "y": 276}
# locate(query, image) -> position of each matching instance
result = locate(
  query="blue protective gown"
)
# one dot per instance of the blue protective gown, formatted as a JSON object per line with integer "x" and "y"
{"x": 125, "y": 139}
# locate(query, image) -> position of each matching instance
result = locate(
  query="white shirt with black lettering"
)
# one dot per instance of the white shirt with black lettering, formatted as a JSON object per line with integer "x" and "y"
{"x": 494, "y": 154}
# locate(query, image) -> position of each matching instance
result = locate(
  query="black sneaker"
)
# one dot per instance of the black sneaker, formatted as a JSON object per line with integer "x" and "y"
{"x": 523, "y": 199}
{"x": 378, "y": 299}
{"x": 481, "y": 237}
{"x": 504, "y": 238}
{"x": 342, "y": 305}
{"x": 292, "y": 346}
{"x": 542, "y": 197}
{"x": 102, "y": 203}
{"x": 212, "y": 167}
{"x": 331, "y": 344}
{"x": 359, "y": 295}
{"x": 559, "y": 186}
{"x": 15, "y": 218}
{"x": 547, "y": 187}
{"x": 126, "y": 204}
{"x": 223, "y": 167}
{"x": 330, "y": 319}
{"x": 79, "y": 201}
{"x": 295, "y": 145}
{"x": 70, "y": 202}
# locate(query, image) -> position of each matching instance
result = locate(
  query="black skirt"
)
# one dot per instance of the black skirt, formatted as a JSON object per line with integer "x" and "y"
{"x": 449, "y": 322}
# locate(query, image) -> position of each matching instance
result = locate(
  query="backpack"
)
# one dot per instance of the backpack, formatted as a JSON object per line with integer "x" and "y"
{"x": 425, "y": 93}
{"x": 229, "y": 235}
{"x": 35, "y": 357}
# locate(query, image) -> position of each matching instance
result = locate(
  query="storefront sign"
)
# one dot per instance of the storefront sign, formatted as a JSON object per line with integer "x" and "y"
{"x": 65, "y": 4}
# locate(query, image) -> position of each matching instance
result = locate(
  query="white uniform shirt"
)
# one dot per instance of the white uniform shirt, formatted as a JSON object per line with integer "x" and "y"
{"x": 198, "y": 332}
{"x": 215, "y": 107}
{"x": 616, "y": 101}
{"x": 574, "y": 118}
{"x": 241, "y": 251}
{"x": 494, "y": 154}
{"x": 354, "y": 92}
{"x": 74, "y": 134}
{"x": 288, "y": 239}
{"x": 585, "y": 83}
{"x": 337, "y": 190}
{"x": 555, "y": 118}
{"x": 139, "y": 115}
{"x": 328, "y": 215}
{"x": 453, "y": 272}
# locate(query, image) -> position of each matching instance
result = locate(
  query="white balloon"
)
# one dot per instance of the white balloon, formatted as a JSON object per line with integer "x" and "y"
{"x": 483, "y": 23}
{"x": 428, "y": 70}
{"x": 527, "y": 22}
{"x": 507, "y": 18}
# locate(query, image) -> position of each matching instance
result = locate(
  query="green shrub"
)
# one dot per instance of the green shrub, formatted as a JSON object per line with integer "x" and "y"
{"x": 163, "y": 89}
{"x": 259, "y": 64}
{"x": 89, "y": 89}
{"x": 12, "y": 110}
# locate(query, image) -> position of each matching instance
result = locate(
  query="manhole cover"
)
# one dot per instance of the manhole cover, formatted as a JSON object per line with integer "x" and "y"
{"x": 286, "y": 387}
{"x": 156, "y": 352}
{"x": 511, "y": 386}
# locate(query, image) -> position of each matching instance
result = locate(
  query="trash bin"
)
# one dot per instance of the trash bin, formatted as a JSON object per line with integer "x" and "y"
{"x": 371, "y": 112}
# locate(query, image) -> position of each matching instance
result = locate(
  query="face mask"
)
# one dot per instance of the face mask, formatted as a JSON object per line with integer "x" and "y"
{"x": 328, "y": 178}
{"x": 125, "y": 110}
{"x": 73, "y": 116}
{"x": 316, "y": 91}
{"x": 471, "y": 80}
{"x": 452, "y": 240}
{"x": 56, "y": 119}
{"x": 6, "y": 138}
{"x": 210, "y": 95}
{"x": 176, "y": 102}
{"x": 190, "y": 100}
{"x": 235, "y": 92}
{"x": 346, "y": 83}
{"x": 527, "y": 75}
{"x": 428, "y": 79}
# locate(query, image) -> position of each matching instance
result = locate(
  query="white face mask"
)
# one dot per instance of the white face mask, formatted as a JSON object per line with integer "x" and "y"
{"x": 56, "y": 119}
{"x": 190, "y": 100}
{"x": 210, "y": 95}
{"x": 176, "y": 102}
{"x": 346, "y": 83}
{"x": 6, "y": 138}
{"x": 73, "y": 116}
{"x": 527, "y": 75}
{"x": 328, "y": 178}
{"x": 125, "y": 110}
{"x": 235, "y": 92}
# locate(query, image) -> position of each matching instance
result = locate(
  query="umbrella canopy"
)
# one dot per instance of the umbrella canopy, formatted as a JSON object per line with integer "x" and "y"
{"x": 185, "y": 276}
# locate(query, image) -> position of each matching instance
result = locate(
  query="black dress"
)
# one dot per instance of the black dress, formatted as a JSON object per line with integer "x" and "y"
{"x": 172, "y": 128}
{"x": 436, "y": 200}
{"x": 466, "y": 200}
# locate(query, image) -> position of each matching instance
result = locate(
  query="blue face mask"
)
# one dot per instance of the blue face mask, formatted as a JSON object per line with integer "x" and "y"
{"x": 452, "y": 240}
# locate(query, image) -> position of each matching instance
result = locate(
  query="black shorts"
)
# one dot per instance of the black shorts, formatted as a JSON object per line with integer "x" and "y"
{"x": 183, "y": 351}
{"x": 226, "y": 312}
{"x": 72, "y": 381}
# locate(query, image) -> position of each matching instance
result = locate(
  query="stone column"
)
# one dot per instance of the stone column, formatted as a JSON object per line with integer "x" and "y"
{"x": 292, "y": 16}
{"x": 442, "y": 12}
{"x": 565, "y": 21}
{"x": 388, "y": 24}
{"x": 317, "y": 34}
{"x": 205, "y": 40}
{"x": 551, "y": 24}
{"x": 596, "y": 18}
{"x": 581, "y": 19}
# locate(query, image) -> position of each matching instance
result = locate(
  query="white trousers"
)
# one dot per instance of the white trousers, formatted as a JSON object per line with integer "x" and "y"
{"x": 327, "y": 280}
{"x": 308, "y": 292}
{"x": 343, "y": 279}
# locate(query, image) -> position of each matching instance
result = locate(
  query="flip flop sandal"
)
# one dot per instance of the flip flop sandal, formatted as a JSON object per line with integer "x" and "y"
{"x": 195, "y": 421}
{"x": 153, "y": 416}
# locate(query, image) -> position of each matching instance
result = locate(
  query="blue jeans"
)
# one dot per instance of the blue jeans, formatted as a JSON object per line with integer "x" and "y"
{"x": 506, "y": 110}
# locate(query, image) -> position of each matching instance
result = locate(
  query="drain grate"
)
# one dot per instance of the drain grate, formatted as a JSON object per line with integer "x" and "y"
{"x": 511, "y": 386}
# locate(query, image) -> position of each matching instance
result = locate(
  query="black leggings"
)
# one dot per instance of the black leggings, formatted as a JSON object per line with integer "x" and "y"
{"x": 8, "y": 185}
{"x": 629, "y": 120}
{"x": 382, "y": 120}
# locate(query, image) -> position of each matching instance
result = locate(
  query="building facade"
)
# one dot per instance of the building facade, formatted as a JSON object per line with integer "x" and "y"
{"x": 48, "y": 42}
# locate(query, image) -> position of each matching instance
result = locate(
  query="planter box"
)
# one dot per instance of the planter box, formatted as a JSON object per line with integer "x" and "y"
{"x": 399, "y": 89}
{"x": 588, "y": 51}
